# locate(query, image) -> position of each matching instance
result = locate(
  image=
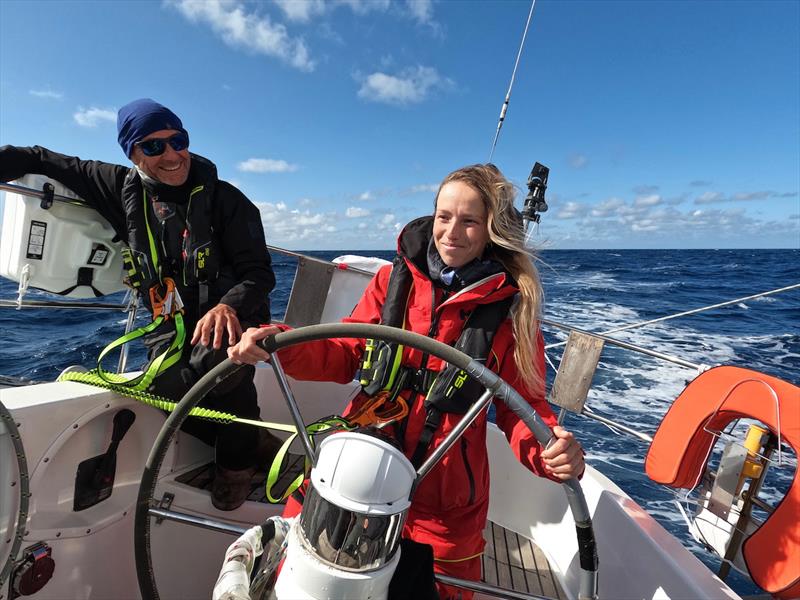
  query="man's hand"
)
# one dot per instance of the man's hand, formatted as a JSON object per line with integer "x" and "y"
{"x": 217, "y": 320}
{"x": 564, "y": 457}
{"x": 247, "y": 351}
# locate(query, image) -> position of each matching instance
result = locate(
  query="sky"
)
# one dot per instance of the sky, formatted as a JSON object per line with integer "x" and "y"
{"x": 669, "y": 124}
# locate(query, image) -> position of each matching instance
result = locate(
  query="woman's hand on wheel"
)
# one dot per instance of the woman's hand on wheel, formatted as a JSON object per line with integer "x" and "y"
{"x": 248, "y": 351}
{"x": 563, "y": 458}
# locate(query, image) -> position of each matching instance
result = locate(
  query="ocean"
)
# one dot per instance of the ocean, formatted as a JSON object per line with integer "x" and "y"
{"x": 594, "y": 290}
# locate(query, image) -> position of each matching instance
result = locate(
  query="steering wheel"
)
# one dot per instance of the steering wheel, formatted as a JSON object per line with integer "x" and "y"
{"x": 146, "y": 503}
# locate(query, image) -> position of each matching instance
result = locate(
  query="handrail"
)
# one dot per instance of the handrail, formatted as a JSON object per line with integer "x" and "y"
{"x": 60, "y": 304}
{"x": 686, "y": 313}
{"x": 34, "y": 193}
{"x": 628, "y": 345}
{"x": 299, "y": 255}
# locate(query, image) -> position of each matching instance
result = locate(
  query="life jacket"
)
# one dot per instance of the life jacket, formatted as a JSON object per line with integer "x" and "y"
{"x": 448, "y": 391}
{"x": 683, "y": 443}
{"x": 145, "y": 261}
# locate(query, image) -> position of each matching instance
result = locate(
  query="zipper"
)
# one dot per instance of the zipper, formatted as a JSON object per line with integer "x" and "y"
{"x": 470, "y": 476}
{"x": 434, "y": 328}
{"x": 470, "y": 287}
{"x": 185, "y": 235}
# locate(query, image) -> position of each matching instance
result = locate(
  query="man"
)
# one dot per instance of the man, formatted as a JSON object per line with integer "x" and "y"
{"x": 179, "y": 221}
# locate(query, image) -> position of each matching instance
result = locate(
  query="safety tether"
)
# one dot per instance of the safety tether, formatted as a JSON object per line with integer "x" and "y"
{"x": 326, "y": 425}
{"x": 165, "y": 306}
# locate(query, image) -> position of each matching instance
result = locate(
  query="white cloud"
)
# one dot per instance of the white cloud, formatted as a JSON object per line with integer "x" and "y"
{"x": 571, "y": 210}
{"x": 301, "y": 10}
{"x": 354, "y": 212}
{"x": 410, "y": 86}
{"x": 266, "y": 165}
{"x": 753, "y": 195}
{"x": 301, "y": 228}
{"x": 421, "y": 10}
{"x": 92, "y": 117}
{"x": 709, "y": 197}
{"x": 46, "y": 94}
{"x": 578, "y": 161}
{"x": 366, "y": 196}
{"x": 645, "y": 225}
{"x": 424, "y": 187}
{"x": 608, "y": 207}
{"x": 240, "y": 28}
{"x": 651, "y": 200}
{"x": 362, "y": 7}
{"x": 284, "y": 225}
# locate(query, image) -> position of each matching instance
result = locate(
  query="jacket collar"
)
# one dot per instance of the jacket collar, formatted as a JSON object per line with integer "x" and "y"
{"x": 488, "y": 285}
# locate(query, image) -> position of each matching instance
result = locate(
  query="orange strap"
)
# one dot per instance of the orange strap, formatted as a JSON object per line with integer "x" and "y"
{"x": 379, "y": 410}
{"x": 165, "y": 300}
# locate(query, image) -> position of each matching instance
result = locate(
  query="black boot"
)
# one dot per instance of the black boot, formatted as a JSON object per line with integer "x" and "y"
{"x": 230, "y": 488}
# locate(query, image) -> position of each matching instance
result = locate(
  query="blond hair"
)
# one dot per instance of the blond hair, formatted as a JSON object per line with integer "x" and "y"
{"x": 507, "y": 246}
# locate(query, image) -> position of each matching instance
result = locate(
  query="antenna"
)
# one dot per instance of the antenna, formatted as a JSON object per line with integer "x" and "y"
{"x": 511, "y": 85}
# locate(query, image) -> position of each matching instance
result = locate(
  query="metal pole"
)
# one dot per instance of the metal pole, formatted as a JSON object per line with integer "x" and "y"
{"x": 593, "y": 415}
{"x": 283, "y": 383}
{"x": 60, "y": 304}
{"x": 453, "y": 436}
{"x": 738, "y": 535}
{"x": 298, "y": 255}
{"x": 131, "y": 308}
{"x": 33, "y": 193}
{"x": 170, "y": 515}
{"x": 627, "y": 345}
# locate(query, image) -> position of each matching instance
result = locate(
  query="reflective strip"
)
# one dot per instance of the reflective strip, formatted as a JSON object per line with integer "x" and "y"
{"x": 455, "y": 560}
{"x": 153, "y": 251}
{"x": 398, "y": 357}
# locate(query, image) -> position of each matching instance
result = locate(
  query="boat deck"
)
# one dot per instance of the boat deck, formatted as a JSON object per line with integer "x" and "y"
{"x": 513, "y": 562}
{"x": 510, "y": 561}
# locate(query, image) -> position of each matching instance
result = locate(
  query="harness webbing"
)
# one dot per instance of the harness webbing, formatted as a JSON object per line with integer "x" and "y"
{"x": 159, "y": 364}
{"x": 325, "y": 425}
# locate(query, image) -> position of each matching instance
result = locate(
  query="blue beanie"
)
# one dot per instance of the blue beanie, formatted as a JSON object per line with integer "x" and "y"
{"x": 140, "y": 118}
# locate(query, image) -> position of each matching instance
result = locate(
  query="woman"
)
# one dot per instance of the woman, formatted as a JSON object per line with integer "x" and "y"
{"x": 470, "y": 254}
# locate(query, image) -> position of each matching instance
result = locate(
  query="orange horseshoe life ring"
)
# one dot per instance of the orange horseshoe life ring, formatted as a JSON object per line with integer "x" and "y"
{"x": 683, "y": 443}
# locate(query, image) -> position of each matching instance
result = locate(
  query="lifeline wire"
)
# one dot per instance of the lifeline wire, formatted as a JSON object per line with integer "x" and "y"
{"x": 685, "y": 313}
{"x": 511, "y": 84}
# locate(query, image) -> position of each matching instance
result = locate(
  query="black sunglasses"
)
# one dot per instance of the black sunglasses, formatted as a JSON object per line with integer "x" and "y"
{"x": 156, "y": 146}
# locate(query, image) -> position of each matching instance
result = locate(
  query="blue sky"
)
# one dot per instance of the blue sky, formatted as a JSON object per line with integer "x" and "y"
{"x": 664, "y": 124}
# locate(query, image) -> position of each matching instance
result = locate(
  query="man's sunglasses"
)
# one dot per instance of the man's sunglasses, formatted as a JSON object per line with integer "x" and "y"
{"x": 157, "y": 146}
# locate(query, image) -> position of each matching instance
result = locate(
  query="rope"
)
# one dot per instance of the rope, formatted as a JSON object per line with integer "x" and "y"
{"x": 511, "y": 84}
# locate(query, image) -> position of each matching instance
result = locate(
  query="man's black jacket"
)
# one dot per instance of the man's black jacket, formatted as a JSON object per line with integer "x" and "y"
{"x": 235, "y": 222}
